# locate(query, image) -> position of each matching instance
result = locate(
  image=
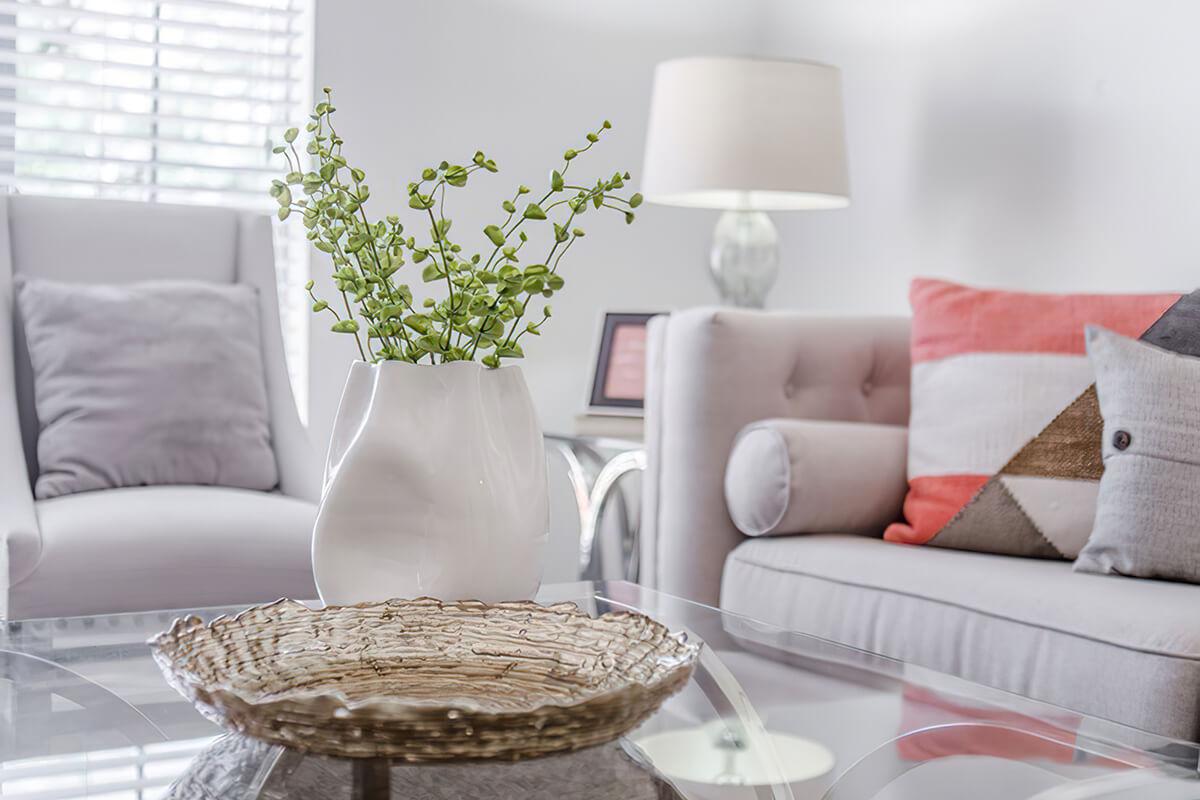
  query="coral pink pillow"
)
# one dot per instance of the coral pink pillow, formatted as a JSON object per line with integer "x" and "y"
{"x": 1004, "y": 438}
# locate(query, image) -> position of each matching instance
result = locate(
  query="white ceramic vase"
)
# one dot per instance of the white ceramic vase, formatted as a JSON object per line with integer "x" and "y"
{"x": 435, "y": 485}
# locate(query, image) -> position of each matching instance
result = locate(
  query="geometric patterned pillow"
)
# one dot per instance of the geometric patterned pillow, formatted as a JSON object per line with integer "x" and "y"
{"x": 1004, "y": 436}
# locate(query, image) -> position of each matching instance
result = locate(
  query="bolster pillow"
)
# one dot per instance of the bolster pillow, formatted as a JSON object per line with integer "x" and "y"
{"x": 807, "y": 476}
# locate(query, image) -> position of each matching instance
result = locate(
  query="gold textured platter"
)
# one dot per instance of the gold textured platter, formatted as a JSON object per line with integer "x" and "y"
{"x": 426, "y": 680}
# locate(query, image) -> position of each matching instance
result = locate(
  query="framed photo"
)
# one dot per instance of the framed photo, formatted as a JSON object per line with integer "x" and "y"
{"x": 619, "y": 380}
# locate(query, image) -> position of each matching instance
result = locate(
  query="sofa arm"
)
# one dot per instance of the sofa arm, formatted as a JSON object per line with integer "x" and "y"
{"x": 805, "y": 476}
{"x": 710, "y": 372}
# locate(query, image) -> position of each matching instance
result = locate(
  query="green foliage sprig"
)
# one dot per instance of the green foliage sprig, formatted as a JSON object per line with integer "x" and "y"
{"x": 481, "y": 306}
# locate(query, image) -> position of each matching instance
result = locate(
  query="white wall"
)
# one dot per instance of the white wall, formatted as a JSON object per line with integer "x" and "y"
{"x": 1011, "y": 142}
{"x": 416, "y": 82}
{"x": 1051, "y": 145}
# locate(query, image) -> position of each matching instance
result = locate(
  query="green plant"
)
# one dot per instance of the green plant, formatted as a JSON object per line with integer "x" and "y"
{"x": 482, "y": 306}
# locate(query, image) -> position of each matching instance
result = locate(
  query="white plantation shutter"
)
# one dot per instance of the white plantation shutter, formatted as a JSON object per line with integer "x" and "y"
{"x": 159, "y": 100}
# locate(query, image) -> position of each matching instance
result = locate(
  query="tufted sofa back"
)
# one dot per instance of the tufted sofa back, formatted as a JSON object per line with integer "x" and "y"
{"x": 710, "y": 372}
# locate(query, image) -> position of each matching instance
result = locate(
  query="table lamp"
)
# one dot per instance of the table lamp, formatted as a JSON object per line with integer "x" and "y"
{"x": 746, "y": 136}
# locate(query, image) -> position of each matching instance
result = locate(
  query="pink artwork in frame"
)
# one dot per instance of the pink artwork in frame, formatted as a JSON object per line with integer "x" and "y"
{"x": 619, "y": 383}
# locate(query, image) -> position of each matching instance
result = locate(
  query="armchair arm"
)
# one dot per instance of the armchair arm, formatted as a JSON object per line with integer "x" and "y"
{"x": 807, "y": 476}
{"x": 710, "y": 372}
{"x": 20, "y": 536}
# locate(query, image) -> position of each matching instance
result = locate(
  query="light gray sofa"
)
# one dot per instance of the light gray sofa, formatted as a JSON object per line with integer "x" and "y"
{"x": 152, "y": 547}
{"x": 830, "y": 397}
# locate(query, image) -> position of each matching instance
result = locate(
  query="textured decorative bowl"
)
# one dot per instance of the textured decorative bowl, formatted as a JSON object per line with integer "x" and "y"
{"x": 426, "y": 680}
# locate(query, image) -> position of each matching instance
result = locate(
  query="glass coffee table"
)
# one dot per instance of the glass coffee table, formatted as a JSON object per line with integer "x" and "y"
{"x": 770, "y": 713}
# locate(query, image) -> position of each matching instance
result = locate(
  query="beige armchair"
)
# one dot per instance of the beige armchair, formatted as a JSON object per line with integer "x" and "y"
{"x": 145, "y": 547}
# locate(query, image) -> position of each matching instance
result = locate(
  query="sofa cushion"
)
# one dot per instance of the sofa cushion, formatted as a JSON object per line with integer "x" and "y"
{"x": 163, "y": 547}
{"x": 1123, "y": 650}
{"x": 1004, "y": 439}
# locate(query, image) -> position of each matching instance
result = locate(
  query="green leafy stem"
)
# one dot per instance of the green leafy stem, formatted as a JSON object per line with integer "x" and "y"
{"x": 480, "y": 304}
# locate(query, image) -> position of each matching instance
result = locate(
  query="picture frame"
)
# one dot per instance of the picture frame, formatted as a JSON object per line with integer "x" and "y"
{"x": 618, "y": 378}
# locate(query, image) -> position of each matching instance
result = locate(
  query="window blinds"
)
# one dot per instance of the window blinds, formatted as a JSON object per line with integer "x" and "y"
{"x": 158, "y": 100}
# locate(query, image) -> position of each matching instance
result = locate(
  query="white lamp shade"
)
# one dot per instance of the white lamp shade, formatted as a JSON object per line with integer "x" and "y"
{"x": 737, "y": 133}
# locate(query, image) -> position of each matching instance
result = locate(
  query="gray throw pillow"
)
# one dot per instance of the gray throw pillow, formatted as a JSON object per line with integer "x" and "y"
{"x": 147, "y": 384}
{"x": 1148, "y": 509}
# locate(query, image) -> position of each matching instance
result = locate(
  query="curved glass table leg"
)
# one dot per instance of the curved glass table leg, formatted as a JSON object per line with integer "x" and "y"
{"x": 42, "y": 678}
{"x": 1027, "y": 750}
{"x": 732, "y": 703}
{"x": 741, "y": 727}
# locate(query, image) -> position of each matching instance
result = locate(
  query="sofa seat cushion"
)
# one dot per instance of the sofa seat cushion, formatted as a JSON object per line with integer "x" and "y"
{"x": 165, "y": 547}
{"x": 1122, "y": 649}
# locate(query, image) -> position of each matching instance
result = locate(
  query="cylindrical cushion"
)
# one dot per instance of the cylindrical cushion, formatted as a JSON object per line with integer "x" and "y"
{"x": 807, "y": 476}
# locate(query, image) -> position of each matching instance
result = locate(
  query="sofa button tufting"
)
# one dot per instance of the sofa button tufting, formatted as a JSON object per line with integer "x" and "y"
{"x": 1122, "y": 439}
{"x": 867, "y": 387}
{"x": 789, "y": 389}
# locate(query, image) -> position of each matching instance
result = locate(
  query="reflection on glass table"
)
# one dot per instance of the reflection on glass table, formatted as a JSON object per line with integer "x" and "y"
{"x": 769, "y": 714}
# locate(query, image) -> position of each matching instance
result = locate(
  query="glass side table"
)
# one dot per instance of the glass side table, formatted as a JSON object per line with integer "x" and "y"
{"x": 608, "y": 543}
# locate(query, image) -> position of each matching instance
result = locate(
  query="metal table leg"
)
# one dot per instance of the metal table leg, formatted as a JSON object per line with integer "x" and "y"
{"x": 617, "y": 467}
{"x": 372, "y": 779}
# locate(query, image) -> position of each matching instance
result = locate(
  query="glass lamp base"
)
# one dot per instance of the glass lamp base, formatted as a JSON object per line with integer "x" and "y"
{"x": 745, "y": 257}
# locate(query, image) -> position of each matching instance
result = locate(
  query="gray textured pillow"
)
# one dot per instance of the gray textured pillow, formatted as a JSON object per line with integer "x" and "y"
{"x": 147, "y": 384}
{"x": 1148, "y": 510}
